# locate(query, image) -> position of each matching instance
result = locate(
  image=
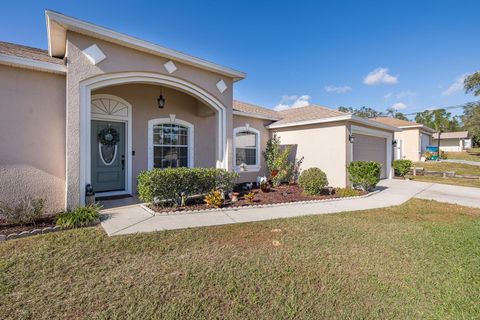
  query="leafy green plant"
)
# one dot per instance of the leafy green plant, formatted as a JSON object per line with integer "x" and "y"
{"x": 364, "y": 174}
{"x": 171, "y": 185}
{"x": 279, "y": 167}
{"x": 79, "y": 217}
{"x": 402, "y": 167}
{"x": 347, "y": 192}
{"x": 313, "y": 181}
{"x": 26, "y": 211}
{"x": 214, "y": 199}
{"x": 443, "y": 155}
{"x": 428, "y": 155}
{"x": 250, "y": 197}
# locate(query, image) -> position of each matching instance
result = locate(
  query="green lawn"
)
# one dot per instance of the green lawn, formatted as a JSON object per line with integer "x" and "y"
{"x": 459, "y": 168}
{"x": 470, "y": 155}
{"x": 418, "y": 260}
{"x": 453, "y": 181}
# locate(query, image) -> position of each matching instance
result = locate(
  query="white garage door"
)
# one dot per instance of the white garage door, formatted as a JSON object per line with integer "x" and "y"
{"x": 369, "y": 148}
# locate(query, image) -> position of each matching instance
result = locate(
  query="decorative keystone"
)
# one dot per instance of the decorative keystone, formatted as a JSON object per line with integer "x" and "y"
{"x": 221, "y": 86}
{"x": 170, "y": 66}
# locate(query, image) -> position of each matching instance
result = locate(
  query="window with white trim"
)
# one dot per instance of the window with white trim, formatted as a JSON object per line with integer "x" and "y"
{"x": 170, "y": 145}
{"x": 247, "y": 144}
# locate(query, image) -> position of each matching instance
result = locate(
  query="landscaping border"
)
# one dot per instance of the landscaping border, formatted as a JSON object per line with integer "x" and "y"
{"x": 145, "y": 207}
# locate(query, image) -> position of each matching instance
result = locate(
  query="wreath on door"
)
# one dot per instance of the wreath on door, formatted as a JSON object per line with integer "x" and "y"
{"x": 108, "y": 137}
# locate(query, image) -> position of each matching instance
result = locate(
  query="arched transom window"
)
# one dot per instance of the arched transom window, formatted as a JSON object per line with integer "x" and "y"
{"x": 170, "y": 144}
{"x": 247, "y": 148}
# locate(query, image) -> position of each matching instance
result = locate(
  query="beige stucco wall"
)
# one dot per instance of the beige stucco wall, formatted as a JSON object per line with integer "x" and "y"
{"x": 452, "y": 145}
{"x": 143, "y": 98}
{"x": 32, "y": 136}
{"x": 323, "y": 146}
{"x": 258, "y": 124}
{"x": 123, "y": 59}
{"x": 410, "y": 143}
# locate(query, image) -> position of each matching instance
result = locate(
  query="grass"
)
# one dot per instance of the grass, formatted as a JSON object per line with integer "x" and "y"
{"x": 458, "y": 168}
{"x": 418, "y": 260}
{"x": 470, "y": 155}
{"x": 451, "y": 181}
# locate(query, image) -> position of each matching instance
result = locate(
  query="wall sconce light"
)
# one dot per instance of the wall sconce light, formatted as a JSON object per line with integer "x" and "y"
{"x": 394, "y": 143}
{"x": 351, "y": 138}
{"x": 161, "y": 100}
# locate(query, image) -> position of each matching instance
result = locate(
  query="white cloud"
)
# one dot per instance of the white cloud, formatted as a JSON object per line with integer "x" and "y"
{"x": 338, "y": 89}
{"x": 292, "y": 102}
{"x": 456, "y": 86}
{"x": 379, "y": 76}
{"x": 399, "y": 106}
{"x": 405, "y": 94}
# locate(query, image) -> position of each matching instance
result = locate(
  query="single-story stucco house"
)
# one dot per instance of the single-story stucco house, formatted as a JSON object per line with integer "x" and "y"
{"x": 412, "y": 139}
{"x": 453, "y": 141}
{"x": 100, "y": 106}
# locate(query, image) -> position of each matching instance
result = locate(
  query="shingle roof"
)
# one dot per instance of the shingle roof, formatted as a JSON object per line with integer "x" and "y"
{"x": 400, "y": 123}
{"x": 254, "y": 109}
{"x": 17, "y": 50}
{"x": 451, "y": 135}
{"x": 311, "y": 112}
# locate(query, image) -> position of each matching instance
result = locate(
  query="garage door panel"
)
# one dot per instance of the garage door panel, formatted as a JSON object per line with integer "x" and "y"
{"x": 370, "y": 148}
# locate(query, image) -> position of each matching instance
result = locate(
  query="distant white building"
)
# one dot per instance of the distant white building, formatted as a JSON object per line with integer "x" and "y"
{"x": 453, "y": 141}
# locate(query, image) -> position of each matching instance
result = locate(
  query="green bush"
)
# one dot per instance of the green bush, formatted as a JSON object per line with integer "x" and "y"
{"x": 280, "y": 168}
{"x": 26, "y": 211}
{"x": 402, "y": 167}
{"x": 313, "y": 181}
{"x": 347, "y": 192}
{"x": 364, "y": 174}
{"x": 171, "y": 185}
{"x": 79, "y": 217}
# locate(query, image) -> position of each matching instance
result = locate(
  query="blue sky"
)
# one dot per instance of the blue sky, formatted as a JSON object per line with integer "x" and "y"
{"x": 350, "y": 53}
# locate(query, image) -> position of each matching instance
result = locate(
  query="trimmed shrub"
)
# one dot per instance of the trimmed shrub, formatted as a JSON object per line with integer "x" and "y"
{"x": 402, "y": 167}
{"x": 79, "y": 217}
{"x": 172, "y": 184}
{"x": 347, "y": 192}
{"x": 26, "y": 211}
{"x": 364, "y": 174}
{"x": 313, "y": 181}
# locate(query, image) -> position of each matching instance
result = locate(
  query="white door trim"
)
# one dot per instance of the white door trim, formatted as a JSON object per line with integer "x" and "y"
{"x": 106, "y": 80}
{"x": 128, "y": 143}
{"x": 376, "y": 133}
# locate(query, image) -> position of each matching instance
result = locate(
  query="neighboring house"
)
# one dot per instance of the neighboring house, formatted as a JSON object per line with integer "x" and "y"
{"x": 412, "y": 141}
{"x": 453, "y": 141}
{"x": 101, "y": 106}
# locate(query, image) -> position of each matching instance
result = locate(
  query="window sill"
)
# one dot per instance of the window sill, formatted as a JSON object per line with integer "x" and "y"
{"x": 248, "y": 169}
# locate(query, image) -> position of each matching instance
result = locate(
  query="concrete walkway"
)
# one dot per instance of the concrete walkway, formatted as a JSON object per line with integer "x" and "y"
{"x": 473, "y": 163}
{"x": 132, "y": 218}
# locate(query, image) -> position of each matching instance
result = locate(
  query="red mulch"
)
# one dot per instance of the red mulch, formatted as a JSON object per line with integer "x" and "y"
{"x": 6, "y": 229}
{"x": 281, "y": 194}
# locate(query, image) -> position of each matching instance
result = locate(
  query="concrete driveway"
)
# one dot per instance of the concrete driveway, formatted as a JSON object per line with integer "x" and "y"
{"x": 132, "y": 218}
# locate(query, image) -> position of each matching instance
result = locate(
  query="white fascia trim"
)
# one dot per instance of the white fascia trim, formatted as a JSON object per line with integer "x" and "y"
{"x": 307, "y": 122}
{"x": 253, "y": 115}
{"x": 117, "y": 37}
{"x": 420, "y": 126}
{"x": 347, "y": 117}
{"x": 32, "y": 64}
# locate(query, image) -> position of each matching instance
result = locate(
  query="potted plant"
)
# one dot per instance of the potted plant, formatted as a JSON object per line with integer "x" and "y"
{"x": 234, "y": 196}
{"x": 264, "y": 186}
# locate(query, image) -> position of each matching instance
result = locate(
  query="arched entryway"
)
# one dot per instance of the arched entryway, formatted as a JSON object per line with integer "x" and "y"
{"x": 103, "y": 81}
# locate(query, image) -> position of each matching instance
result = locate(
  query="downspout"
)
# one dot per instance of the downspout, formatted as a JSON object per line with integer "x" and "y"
{"x": 438, "y": 145}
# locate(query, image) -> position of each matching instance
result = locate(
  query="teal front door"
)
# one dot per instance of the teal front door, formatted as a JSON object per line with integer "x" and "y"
{"x": 108, "y": 162}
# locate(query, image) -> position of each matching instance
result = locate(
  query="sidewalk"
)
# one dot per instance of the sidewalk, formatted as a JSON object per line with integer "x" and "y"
{"x": 132, "y": 218}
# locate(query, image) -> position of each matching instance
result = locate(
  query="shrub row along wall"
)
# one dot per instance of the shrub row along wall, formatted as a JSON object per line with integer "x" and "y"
{"x": 176, "y": 184}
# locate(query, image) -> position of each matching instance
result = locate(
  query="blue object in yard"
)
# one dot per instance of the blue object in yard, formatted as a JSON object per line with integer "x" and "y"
{"x": 432, "y": 149}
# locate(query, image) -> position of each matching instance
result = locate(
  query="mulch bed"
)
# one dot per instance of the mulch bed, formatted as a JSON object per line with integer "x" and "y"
{"x": 281, "y": 194}
{"x": 6, "y": 229}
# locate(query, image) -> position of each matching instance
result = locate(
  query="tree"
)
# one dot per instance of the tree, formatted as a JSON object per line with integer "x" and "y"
{"x": 471, "y": 121}
{"x": 438, "y": 119}
{"x": 395, "y": 114}
{"x": 472, "y": 84}
{"x": 365, "y": 112}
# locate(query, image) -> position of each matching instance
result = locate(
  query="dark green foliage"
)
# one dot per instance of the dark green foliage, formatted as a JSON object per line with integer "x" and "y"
{"x": 364, "y": 174}
{"x": 313, "y": 181}
{"x": 26, "y": 211}
{"x": 79, "y": 217}
{"x": 472, "y": 84}
{"x": 279, "y": 168}
{"x": 402, "y": 167}
{"x": 173, "y": 184}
